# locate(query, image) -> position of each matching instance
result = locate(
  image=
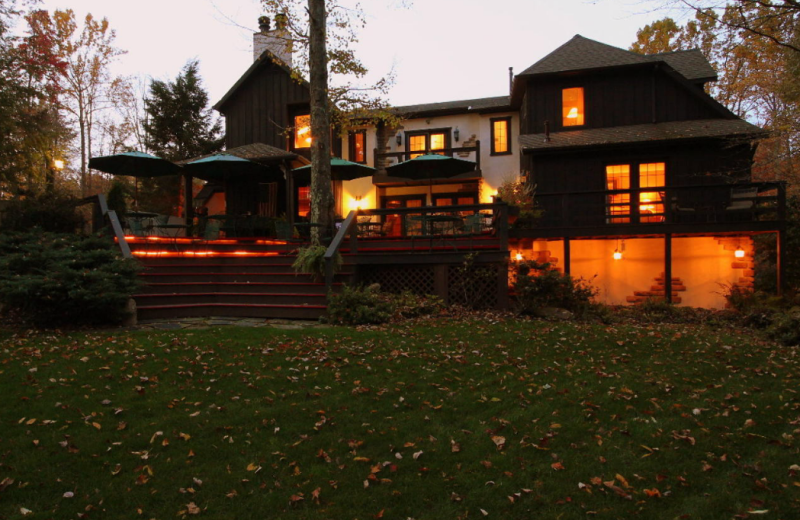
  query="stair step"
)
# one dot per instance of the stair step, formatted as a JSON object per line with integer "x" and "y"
{"x": 231, "y": 277}
{"x": 306, "y": 312}
{"x": 153, "y": 299}
{"x": 238, "y": 287}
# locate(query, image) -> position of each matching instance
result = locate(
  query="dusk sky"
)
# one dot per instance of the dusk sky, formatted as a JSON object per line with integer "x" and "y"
{"x": 441, "y": 49}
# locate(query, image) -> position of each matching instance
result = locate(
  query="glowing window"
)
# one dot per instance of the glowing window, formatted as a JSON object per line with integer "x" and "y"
{"x": 358, "y": 146}
{"x": 651, "y": 203}
{"x": 416, "y": 143}
{"x": 437, "y": 143}
{"x": 302, "y": 131}
{"x": 618, "y": 177}
{"x": 501, "y": 136}
{"x": 303, "y": 201}
{"x": 572, "y": 106}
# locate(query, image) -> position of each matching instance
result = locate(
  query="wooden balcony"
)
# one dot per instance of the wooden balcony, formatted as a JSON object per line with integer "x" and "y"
{"x": 721, "y": 208}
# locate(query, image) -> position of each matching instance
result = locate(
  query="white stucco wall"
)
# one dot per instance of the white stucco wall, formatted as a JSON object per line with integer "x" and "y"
{"x": 494, "y": 168}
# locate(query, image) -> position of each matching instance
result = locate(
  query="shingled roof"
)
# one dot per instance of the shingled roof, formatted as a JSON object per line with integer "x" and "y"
{"x": 258, "y": 152}
{"x": 481, "y": 105}
{"x": 656, "y": 132}
{"x": 581, "y": 53}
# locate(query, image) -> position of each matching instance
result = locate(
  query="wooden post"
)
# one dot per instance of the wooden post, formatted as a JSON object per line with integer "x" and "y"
{"x": 567, "y": 259}
{"x": 668, "y": 267}
{"x": 781, "y": 261}
{"x": 502, "y": 286}
{"x": 501, "y": 221}
{"x": 290, "y": 209}
{"x": 188, "y": 203}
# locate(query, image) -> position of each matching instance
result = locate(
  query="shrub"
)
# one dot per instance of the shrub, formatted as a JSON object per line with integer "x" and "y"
{"x": 311, "y": 260}
{"x": 408, "y": 305}
{"x": 785, "y": 327}
{"x": 117, "y": 197}
{"x": 56, "y": 279}
{"x": 538, "y": 286}
{"x": 358, "y": 306}
{"x": 51, "y": 211}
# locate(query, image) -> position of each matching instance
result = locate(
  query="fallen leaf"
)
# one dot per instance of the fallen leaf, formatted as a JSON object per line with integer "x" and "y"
{"x": 499, "y": 441}
{"x": 25, "y": 511}
{"x": 68, "y": 494}
{"x": 417, "y": 454}
{"x": 557, "y": 466}
{"x": 192, "y": 508}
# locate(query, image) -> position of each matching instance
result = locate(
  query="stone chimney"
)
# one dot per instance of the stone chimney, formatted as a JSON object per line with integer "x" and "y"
{"x": 276, "y": 41}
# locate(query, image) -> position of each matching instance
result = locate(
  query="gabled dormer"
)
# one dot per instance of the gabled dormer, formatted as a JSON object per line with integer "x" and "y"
{"x": 586, "y": 84}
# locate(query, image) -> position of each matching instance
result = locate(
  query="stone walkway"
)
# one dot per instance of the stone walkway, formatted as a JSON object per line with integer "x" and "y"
{"x": 205, "y": 323}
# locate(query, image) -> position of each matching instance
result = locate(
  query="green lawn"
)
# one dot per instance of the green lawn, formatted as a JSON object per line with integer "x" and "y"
{"x": 428, "y": 420}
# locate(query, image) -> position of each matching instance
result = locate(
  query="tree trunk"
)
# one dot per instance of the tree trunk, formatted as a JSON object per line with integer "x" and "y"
{"x": 322, "y": 210}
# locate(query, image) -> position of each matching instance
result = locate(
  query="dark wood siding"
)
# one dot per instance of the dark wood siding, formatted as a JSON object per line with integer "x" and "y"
{"x": 614, "y": 98}
{"x": 258, "y": 112}
{"x": 710, "y": 162}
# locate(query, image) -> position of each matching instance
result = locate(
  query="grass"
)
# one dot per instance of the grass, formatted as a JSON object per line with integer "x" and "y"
{"x": 428, "y": 420}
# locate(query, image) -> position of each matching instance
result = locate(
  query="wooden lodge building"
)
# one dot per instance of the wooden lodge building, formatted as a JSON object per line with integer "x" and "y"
{"x": 642, "y": 180}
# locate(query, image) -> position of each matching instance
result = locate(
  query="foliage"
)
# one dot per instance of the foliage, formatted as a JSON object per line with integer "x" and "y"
{"x": 785, "y": 327}
{"x": 757, "y": 72}
{"x": 86, "y": 86}
{"x": 311, "y": 260}
{"x": 180, "y": 124}
{"x": 56, "y": 279}
{"x": 358, "y": 306}
{"x": 368, "y": 306}
{"x": 516, "y": 192}
{"x": 117, "y": 197}
{"x": 30, "y": 125}
{"x": 538, "y": 286}
{"x": 50, "y": 211}
{"x": 433, "y": 419}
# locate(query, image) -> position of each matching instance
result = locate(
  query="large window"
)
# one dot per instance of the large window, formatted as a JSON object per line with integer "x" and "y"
{"x": 358, "y": 146}
{"x": 432, "y": 141}
{"x": 623, "y": 177}
{"x": 501, "y": 135}
{"x": 572, "y": 108}
{"x": 303, "y": 201}
{"x": 302, "y": 131}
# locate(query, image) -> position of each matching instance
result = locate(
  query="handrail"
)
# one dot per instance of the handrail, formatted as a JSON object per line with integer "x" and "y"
{"x": 406, "y": 155}
{"x": 101, "y": 202}
{"x": 765, "y": 184}
{"x": 336, "y": 244}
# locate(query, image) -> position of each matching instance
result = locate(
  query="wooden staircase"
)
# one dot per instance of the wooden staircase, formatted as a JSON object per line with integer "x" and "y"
{"x": 226, "y": 278}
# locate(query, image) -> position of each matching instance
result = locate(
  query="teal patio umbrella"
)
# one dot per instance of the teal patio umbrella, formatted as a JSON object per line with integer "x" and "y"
{"x": 223, "y": 167}
{"x": 430, "y": 167}
{"x": 134, "y": 164}
{"x": 341, "y": 170}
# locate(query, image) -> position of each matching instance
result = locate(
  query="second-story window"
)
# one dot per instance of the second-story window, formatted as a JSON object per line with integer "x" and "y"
{"x": 501, "y": 135}
{"x": 572, "y": 108}
{"x": 433, "y": 141}
{"x": 302, "y": 131}
{"x": 358, "y": 146}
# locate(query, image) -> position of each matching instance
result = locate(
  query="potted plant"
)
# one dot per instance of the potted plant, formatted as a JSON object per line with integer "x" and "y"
{"x": 519, "y": 196}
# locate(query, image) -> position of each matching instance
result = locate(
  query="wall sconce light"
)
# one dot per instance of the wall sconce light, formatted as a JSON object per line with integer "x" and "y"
{"x": 519, "y": 257}
{"x": 399, "y": 139}
{"x": 456, "y": 134}
{"x": 618, "y": 251}
{"x": 739, "y": 253}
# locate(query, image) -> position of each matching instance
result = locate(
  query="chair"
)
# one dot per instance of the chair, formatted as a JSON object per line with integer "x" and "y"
{"x": 156, "y": 223}
{"x": 136, "y": 227}
{"x": 742, "y": 203}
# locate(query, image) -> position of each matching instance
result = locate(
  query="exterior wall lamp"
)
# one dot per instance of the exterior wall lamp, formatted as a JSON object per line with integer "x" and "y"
{"x": 399, "y": 139}
{"x": 456, "y": 134}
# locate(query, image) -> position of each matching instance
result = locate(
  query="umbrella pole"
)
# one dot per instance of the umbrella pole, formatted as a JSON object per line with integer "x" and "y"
{"x": 136, "y": 193}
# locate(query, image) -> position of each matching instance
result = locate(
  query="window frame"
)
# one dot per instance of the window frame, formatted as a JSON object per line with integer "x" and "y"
{"x": 427, "y": 133}
{"x": 583, "y": 125}
{"x": 351, "y": 145}
{"x": 634, "y": 192}
{"x": 492, "y": 121}
{"x": 294, "y": 131}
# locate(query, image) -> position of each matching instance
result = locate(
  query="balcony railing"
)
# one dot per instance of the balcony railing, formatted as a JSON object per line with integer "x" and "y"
{"x": 471, "y": 153}
{"x": 718, "y": 205}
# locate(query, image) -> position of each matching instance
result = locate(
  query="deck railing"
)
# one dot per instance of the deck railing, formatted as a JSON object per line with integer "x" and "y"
{"x": 433, "y": 223}
{"x": 654, "y": 206}
{"x": 406, "y": 155}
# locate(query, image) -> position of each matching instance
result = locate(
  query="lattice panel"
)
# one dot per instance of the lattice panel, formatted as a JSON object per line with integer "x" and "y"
{"x": 474, "y": 287}
{"x": 418, "y": 280}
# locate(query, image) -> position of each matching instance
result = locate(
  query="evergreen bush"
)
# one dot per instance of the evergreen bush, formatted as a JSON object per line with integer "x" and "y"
{"x": 537, "y": 286}
{"x": 54, "y": 279}
{"x": 50, "y": 211}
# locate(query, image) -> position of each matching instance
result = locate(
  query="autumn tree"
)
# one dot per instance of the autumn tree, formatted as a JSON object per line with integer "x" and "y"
{"x": 33, "y": 133}
{"x": 755, "y": 77}
{"x": 87, "y": 87}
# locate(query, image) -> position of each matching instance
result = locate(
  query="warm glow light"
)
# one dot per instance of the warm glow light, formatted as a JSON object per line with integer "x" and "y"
{"x": 573, "y": 113}
{"x": 194, "y": 254}
{"x": 617, "y": 255}
{"x": 58, "y": 164}
{"x": 739, "y": 253}
{"x": 180, "y": 240}
{"x": 356, "y": 203}
{"x": 519, "y": 257}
